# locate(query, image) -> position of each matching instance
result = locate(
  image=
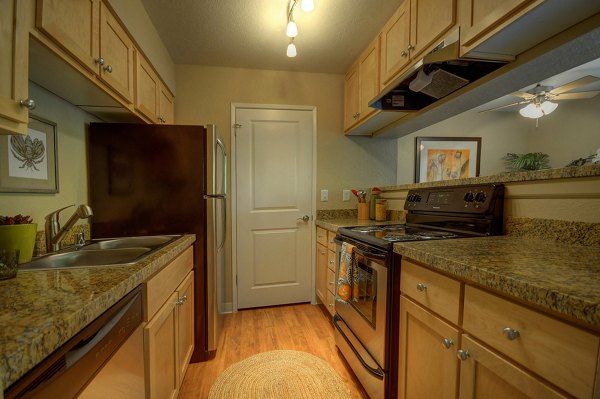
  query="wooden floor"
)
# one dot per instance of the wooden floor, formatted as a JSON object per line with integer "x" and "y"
{"x": 245, "y": 333}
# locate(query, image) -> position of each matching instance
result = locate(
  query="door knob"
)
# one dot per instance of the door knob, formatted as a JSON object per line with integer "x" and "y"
{"x": 304, "y": 218}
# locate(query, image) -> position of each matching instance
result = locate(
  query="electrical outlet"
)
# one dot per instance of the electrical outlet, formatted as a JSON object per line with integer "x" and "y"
{"x": 324, "y": 195}
{"x": 346, "y": 195}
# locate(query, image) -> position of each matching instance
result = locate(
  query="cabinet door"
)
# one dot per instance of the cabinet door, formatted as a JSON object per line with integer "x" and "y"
{"x": 116, "y": 48}
{"x": 428, "y": 366}
{"x": 166, "y": 106}
{"x": 483, "y": 374}
{"x": 74, "y": 26}
{"x": 351, "y": 99}
{"x": 429, "y": 20}
{"x": 160, "y": 342}
{"x": 394, "y": 41}
{"x": 479, "y": 17}
{"x": 368, "y": 69}
{"x": 321, "y": 283}
{"x": 185, "y": 314}
{"x": 14, "y": 47}
{"x": 146, "y": 88}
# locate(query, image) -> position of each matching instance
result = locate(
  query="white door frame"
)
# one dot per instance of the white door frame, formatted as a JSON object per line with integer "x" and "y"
{"x": 313, "y": 203}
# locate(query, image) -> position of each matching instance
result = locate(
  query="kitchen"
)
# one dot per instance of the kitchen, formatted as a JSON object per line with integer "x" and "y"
{"x": 382, "y": 164}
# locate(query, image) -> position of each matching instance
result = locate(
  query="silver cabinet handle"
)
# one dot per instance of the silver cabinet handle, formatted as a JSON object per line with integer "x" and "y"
{"x": 511, "y": 333}
{"x": 410, "y": 47}
{"x": 108, "y": 68}
{"x": 403, "y": 53}
{"x": 448, "y": 343}
{"x": 331, "y": 283}
{"x": 421, "y": 287}
{"x": 181, "y": 300}
{"x": 99, "y": 61}
{"x": 462, "y": 354}
{"x": 304, "y": 218}
{"x": 28, "y": 103}
{"x": 331, "y": 262}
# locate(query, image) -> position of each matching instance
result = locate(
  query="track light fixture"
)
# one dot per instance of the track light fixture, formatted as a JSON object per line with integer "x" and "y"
{"x": 292, "y": 28}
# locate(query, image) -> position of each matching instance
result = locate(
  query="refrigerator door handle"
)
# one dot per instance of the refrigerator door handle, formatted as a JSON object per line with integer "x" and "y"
{"x": 218, "y": 196}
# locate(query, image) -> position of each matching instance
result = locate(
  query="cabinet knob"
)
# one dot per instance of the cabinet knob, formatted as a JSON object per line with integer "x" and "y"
{"x": 403, "y": 53}
{"x": 331, "y": 305}
{"x": 28, "y": 103}
{"x": 462, "y": 354}
{"x": 410, "y": 47}
{"x": 108, "y": 68}
{"x": 448, "y": 343}
{"x": 99, "y": 61}
{"x": 331, "y": 283}
{"x": 331, "y": 262}
{"x": 421, "y": 287}
{"x": 511, "y": 333}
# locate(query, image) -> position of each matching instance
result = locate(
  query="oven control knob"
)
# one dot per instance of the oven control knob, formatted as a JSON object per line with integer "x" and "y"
{"x": 418, "y": 197}
{"x": 469, "y": 196}
{"x": 410, "y": 198}
{"x": 480, "y": 197}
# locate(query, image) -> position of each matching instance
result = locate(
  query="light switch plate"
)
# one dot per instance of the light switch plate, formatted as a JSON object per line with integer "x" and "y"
{"x": 324, "y": 195}
{"x": 346, "y": 195}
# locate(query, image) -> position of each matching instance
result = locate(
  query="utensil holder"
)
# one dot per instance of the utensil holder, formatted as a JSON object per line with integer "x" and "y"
{"x": 363, "y": 211}
{"x": 381, "y": 210}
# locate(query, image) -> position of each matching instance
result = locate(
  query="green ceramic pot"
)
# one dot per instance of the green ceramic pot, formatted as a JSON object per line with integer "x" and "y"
{"x": 21, "y": 237}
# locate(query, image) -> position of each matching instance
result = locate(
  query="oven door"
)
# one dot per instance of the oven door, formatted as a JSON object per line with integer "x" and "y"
{"x": 366, "y": 313}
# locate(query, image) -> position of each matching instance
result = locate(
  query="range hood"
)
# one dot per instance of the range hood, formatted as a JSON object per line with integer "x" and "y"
{"x": 439, "y": 73}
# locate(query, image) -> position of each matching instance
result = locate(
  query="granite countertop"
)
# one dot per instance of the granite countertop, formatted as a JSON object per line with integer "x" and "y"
{"x": 41, "y": 310}
{"x": 562, "y": 278}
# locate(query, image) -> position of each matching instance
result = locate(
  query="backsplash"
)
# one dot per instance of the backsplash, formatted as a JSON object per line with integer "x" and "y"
{"x": 69, "y": 240}
{"x": 340, "y": 214}
{"x": 568, "y": 232}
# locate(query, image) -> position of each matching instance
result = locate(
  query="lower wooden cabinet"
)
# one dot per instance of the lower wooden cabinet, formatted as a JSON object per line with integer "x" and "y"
{"x": 326, "y": 277}
{"x": 169, "y": 333}
{"x": 428, "y": 366}
{"x": 321, "y": 280}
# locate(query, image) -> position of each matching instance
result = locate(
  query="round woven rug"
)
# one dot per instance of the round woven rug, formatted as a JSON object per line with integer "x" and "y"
{"x": 279, "y": 374}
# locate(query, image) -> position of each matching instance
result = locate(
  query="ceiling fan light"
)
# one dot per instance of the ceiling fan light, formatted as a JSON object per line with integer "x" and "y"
{"x": 291, "y": 50}
{"x": 292, "y": 29}
{"x": 307, "y": 5}
{"x": 548, "y": 107}
{"x": 531, "y": 111}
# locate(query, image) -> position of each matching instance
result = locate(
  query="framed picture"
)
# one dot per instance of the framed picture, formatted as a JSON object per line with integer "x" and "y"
{"x": 28, "y": 164}
{"x": 446, "y": 158}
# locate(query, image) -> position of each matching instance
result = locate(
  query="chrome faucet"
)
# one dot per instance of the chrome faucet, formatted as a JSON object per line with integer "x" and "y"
{"x": 55, "y": 234}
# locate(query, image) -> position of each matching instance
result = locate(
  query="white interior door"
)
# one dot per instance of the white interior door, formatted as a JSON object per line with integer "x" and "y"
{"x": 273, "y": 174}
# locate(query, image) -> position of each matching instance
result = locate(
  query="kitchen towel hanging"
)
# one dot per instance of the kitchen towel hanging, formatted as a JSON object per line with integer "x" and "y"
{"x": 348, "y": 274}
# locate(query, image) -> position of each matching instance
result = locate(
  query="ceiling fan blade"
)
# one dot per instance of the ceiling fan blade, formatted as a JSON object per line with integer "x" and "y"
{"x": 575, "y": 96}
{"x": 523, "y": 94}
{"x": 575, "y": 84}
{"x": 504, "y": 106}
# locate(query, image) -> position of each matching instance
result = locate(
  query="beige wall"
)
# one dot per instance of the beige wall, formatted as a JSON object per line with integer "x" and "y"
{"x": 205, "y": 95}
{"x": 570, "y": 132}
{"x": 72, "y": 168}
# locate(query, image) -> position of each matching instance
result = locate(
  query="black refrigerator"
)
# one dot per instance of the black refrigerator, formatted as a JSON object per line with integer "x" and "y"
{"x": 165, "y": 179}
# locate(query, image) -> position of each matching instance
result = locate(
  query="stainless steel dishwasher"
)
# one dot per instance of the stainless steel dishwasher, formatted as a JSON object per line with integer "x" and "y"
{"x": 92, "y": 363}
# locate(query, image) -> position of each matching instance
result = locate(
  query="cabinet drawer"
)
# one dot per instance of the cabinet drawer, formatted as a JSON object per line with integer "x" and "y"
{"x": 331, "y": 260}
{"x": 322, "y": 236}
{"x": 556, "y": 351}
{"x": 330, "y": 303}
{"x": 330, "y": 240}
{"x": 158, "y": 288}
{"x": 330, "y": 280}
{"x": 437, "y": 292}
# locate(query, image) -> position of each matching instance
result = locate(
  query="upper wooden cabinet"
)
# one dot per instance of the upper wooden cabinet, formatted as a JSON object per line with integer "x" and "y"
{"x": 152, "y": 98}
{"x": 413, "y": 29}
{"x": 480, "y": 18}
{"x": 14, "y": 36}
{"x": 361, "y": 86}
{"x": 166, "y": 105}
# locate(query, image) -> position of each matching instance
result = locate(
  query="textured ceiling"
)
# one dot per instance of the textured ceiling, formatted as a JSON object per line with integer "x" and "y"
{"x": 251, "y": 33}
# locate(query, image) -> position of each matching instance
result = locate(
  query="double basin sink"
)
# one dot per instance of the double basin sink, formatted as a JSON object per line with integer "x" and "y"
{"x": 103, "y": 252}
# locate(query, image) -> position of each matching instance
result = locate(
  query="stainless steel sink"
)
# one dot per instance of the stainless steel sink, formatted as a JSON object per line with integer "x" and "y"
{"x": 130, "y": 242}
{"x": 79, "y": 258}
{"x": 103, "y": 252}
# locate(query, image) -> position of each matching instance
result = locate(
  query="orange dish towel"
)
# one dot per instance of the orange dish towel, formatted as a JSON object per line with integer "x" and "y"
{"x": 348, "y": 274}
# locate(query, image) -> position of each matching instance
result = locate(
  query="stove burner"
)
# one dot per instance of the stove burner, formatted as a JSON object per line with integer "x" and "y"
{"x": 435, "y": 234}
{"x": 367, "y": 229}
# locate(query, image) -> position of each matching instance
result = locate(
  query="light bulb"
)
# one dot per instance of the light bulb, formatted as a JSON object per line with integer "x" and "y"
{"x": 532, "y": 111}
{"x": 307, "y": 5}
{"x": 548, "y": 107}
{"x": 291, "y": 50}
{"x": 292, "y": 29}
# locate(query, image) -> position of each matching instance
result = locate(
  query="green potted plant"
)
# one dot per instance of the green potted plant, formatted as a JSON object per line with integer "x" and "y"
{"x": 18, "y": 232}
{"x": 524, "y": 162}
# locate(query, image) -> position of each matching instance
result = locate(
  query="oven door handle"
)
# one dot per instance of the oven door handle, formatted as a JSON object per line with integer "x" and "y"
{"x": 377, "y": 372}
{"x": 366, "y": 254}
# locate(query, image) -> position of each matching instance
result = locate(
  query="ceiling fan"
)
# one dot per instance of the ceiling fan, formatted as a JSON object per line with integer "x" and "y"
{"x": 540, "y": 99}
